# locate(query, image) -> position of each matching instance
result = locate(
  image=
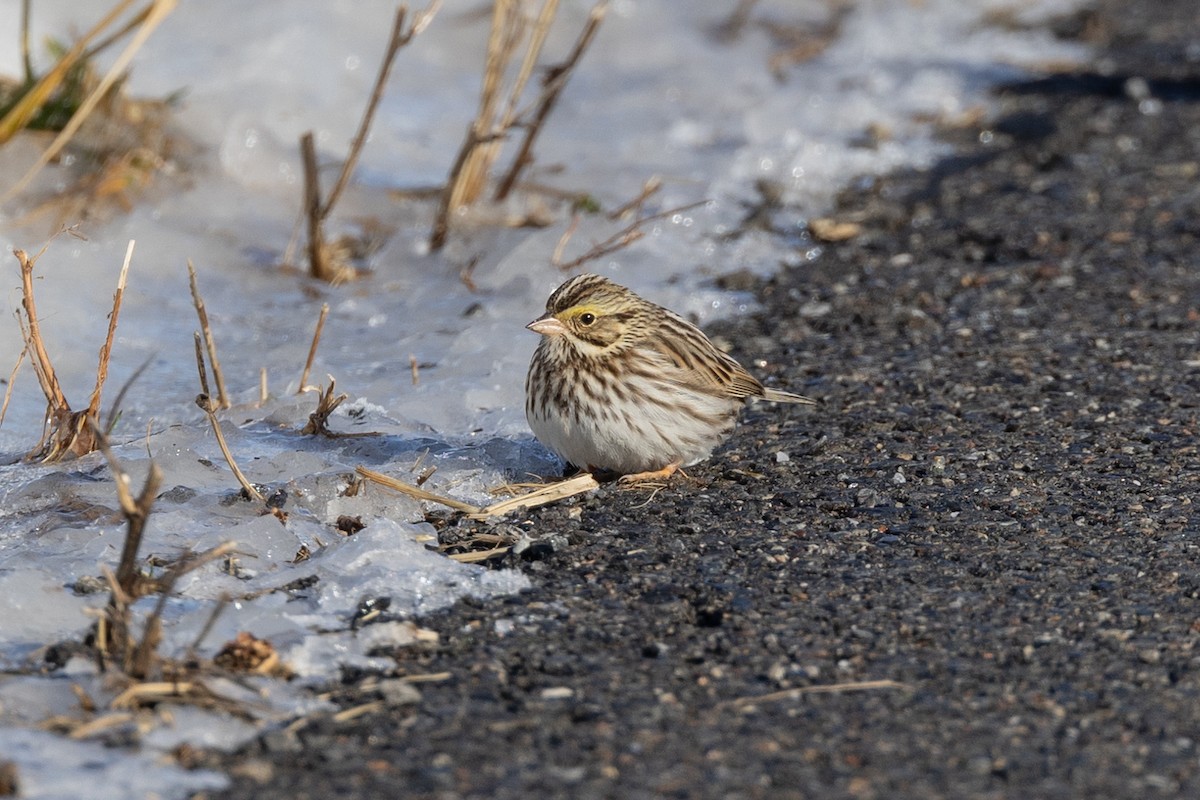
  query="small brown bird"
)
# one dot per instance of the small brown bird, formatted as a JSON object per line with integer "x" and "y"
{"x": 619, "y": 384}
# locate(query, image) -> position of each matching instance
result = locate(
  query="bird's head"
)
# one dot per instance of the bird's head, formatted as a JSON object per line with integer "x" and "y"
{"x": 595, "y": 316}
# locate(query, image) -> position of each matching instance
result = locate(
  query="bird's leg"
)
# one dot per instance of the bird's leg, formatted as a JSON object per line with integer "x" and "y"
{"x": 650, "y": 475}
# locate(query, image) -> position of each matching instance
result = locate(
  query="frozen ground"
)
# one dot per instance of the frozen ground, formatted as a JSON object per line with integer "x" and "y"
{"x": 660, "y": 94}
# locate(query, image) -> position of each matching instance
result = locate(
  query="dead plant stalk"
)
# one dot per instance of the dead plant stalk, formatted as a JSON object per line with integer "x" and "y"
{"x": 151, "y": 16}
{"x": 621, "y": 239}
{"x": 135, "y": 510}
{"x": 552, "y": 86}
{"x": 67, "y": 433}
{"x": 317, "y": 211}
{"x": 312, "y": 349}
{"x": 488, "y": 130}
{"x": 209, "y": 407}
{"x": 209, "y": 343}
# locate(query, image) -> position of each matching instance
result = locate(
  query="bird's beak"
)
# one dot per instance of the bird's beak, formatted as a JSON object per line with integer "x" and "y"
{"x": 547, "y": 326}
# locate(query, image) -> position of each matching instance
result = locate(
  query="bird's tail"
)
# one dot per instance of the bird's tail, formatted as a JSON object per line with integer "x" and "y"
{"x": 780, "y": 396}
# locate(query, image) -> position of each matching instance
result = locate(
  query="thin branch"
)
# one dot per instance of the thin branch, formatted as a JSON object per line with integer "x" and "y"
{"x": 552, "y": 86}
{"x": 621, "y": 239}
{"x": 649, "y": 189}
{"x": 209, "y": 343}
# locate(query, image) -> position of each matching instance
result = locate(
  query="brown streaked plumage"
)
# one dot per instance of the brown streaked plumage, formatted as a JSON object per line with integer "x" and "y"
{"x": 622, "y": 385}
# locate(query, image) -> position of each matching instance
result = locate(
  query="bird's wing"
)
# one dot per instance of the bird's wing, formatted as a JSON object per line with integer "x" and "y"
{"x": 706, "y": 370}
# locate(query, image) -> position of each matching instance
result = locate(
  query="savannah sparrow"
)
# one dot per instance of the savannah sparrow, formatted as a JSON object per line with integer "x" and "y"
{"x": 622, "y": 385}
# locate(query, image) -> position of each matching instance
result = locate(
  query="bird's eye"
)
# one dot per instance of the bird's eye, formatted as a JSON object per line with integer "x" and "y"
{"x": 587, "y": 318}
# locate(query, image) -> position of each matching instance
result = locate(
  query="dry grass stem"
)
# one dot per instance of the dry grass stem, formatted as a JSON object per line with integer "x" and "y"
{"x": 414, "y": 491}
{"x": 828, "y": 688}
{"x": 312, "y": 349}
{"x": 155, "y": 13}
{"x": 399, "y": 38}
{"x": 209, "y": 343}
{"x": 489, "y": 129}
{"x": 552, "y": 85}
{"x": 32, "y": 332}
{"x": 23, "y": 111}
{"x": 428, "y": 677}
{"x": 550, "y": 493}
{"x": 475, "y": 556}
{"x": 482, "y": 140}
{"x": 568, "y": 234}
{"x": 634, "y": 206}
{"x": 263, "y": 394}
{"x": 209, "y": 407}
{"x": 12, "y": 379}
{"x": 318, "y": 421}
{"x": 325, "y": 262}
{"x": 412, "y": 365}
{"x": 93, "y": 409}
{"x": 619, "y": 240}
{"x": 354, "y": 712}
{"x": 584, "y": 482}
{"x": 441, "y": 217}
{"x": 100, "y": 725}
